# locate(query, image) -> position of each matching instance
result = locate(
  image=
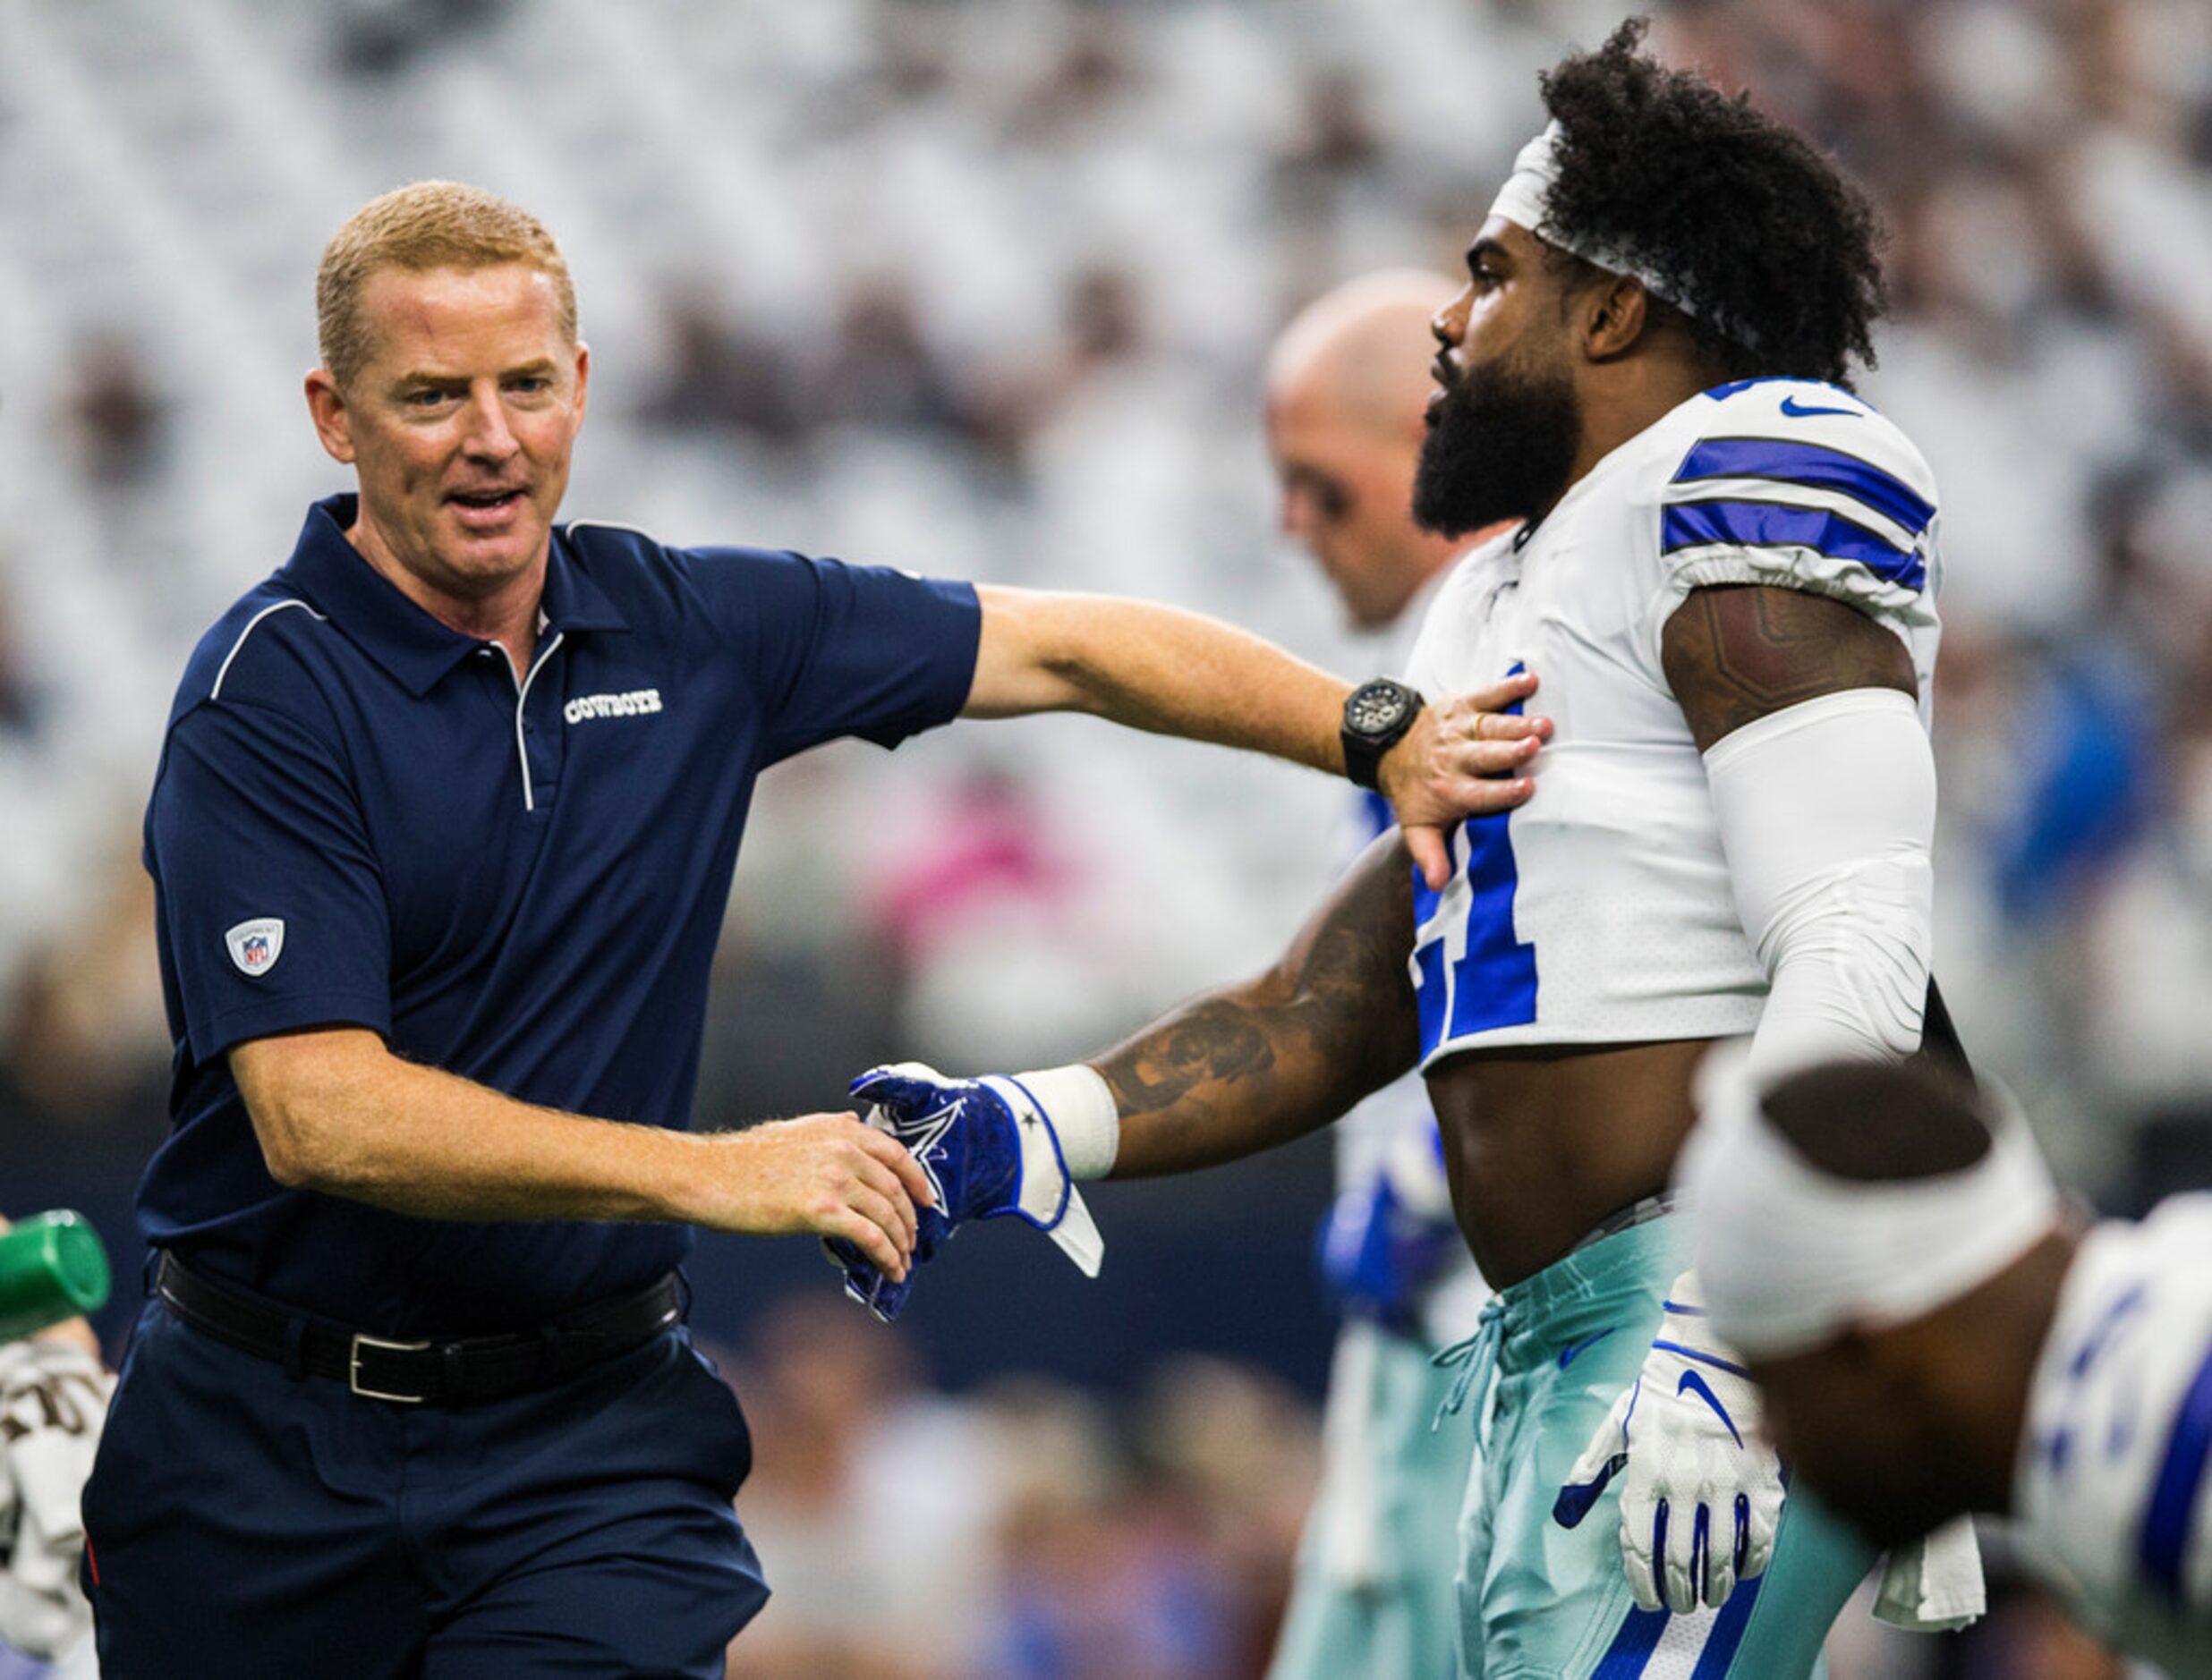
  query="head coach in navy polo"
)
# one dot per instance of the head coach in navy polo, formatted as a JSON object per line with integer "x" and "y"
{"x": 442, "y": 833}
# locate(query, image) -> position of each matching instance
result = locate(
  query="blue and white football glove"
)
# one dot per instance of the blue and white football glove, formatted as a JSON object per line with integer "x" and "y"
{"x": 989, "y": 1147}
{"x": 1702, "y": 1493}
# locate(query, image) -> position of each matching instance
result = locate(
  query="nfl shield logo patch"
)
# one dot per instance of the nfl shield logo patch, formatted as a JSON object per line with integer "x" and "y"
{"x": 255, "y": 946}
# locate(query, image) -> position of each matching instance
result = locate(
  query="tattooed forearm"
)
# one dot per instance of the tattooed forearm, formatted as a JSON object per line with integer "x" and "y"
{"x": 1216, "y": 1041}
{"x": 1258, "y": 1064}
{"x": 1734, "y": 654}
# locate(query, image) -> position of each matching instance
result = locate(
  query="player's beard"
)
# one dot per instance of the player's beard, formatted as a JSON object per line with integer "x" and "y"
{"x": 1500, "y": 446}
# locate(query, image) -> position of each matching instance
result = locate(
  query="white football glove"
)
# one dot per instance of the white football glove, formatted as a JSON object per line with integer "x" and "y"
{"x": 1702, "y": 1494}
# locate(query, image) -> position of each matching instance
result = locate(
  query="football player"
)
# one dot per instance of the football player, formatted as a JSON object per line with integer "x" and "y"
{"x": 1935, "y": 1334}
{"x": 1723, "y": 570}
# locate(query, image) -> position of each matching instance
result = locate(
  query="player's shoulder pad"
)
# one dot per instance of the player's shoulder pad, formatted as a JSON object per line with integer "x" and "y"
{"x": 1801, "y": 419}
{"x": 1798, "y": 466}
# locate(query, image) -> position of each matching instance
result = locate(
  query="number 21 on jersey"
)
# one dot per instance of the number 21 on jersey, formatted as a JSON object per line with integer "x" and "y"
{"x": 1471, "y": 973}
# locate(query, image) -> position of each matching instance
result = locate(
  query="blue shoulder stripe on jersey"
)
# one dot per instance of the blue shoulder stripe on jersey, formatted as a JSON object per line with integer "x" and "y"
{"x": 1770, "y": 525}
{"x": 2181, "y": 1478}
{"x": 1813, "y": 464}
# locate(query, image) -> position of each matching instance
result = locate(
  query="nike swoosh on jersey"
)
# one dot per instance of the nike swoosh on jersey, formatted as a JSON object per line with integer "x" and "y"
{"x": 1566, "y": 1353}
{"x": 1799, "y": 410}
{"x": 1692, "y": 1383}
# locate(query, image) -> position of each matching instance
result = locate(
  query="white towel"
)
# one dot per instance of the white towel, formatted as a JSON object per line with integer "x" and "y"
{"x": 1936, "y": 1586}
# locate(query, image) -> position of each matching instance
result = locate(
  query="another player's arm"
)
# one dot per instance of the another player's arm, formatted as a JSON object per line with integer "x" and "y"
{"x": 1258, "y": 1064}
{"x": 335, "y": 1111}
{"x": 1174, "y": 673}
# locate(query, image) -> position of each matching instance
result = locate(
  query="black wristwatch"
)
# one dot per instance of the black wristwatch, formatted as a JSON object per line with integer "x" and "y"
{"x": 1376, "y": 716}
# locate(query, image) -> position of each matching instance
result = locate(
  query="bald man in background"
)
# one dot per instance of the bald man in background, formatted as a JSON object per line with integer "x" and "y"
{"x": 1346, "y": 387}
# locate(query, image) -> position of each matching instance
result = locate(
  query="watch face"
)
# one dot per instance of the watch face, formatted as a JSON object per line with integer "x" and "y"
{"x": 1374, "y": 709}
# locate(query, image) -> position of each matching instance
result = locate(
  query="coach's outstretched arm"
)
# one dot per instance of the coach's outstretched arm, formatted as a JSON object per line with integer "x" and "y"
{"x": 1174, "y": 673}
{"x": 1225, "y": 1075}
{"x": 336, "y": 1110}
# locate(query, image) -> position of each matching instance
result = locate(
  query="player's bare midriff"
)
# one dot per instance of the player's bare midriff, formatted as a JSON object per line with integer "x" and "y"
{"x": 1542, "y": 1145}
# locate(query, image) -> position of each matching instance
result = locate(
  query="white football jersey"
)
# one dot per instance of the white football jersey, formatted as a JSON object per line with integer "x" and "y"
{"x": 1601, "y": 910}
{"x": 2109, "y": 1487}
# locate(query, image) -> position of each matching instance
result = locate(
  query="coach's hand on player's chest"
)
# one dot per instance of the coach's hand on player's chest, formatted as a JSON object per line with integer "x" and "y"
{"x": 1466, "y": 756}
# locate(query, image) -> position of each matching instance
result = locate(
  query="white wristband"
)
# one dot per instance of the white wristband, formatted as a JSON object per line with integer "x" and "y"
{"x": 1081, "y": 1106}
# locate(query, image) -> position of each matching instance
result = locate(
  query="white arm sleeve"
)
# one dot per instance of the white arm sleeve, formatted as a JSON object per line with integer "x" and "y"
{"x": 1827, "y": 810}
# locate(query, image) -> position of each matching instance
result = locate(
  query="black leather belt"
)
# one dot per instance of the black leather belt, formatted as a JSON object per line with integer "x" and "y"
{"x": 472, "y": 1369}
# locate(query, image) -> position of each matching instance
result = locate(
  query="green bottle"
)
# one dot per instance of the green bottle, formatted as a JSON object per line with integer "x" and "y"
{"x": 53, "y": 1266}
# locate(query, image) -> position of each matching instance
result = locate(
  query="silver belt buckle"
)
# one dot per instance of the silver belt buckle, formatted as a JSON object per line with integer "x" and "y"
{"x": 353, "y": 1369}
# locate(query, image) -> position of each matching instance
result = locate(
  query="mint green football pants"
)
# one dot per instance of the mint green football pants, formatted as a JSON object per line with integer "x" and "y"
{"x": 1542, "y": 1602}
{"x": 1375, "y": 1593}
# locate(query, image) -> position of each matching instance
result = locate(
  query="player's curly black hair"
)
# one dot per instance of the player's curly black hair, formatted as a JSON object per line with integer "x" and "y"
{"x": 1771, "y": 251}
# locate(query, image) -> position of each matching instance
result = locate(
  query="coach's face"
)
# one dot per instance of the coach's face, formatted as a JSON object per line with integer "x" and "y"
{"x": 1504, "y": 420}
{"x": 459, "y": 426}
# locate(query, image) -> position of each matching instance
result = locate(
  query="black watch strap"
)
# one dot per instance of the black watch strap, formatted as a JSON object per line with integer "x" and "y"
{"x": 1376, "y": 716}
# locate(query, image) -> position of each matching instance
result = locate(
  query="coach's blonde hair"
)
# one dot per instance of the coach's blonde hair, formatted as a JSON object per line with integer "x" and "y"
{"x": 429, "y": 224}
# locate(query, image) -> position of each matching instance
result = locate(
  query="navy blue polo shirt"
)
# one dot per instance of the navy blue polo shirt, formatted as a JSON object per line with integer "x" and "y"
{"x": 362, "y": 817}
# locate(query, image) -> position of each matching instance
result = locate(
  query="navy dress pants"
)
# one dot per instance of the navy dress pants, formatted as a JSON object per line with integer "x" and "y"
{"x": 242, "y": 1521}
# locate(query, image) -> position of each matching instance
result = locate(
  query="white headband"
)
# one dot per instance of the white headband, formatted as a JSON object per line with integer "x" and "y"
{"x": 1526, "y": 201}
{"x": 1790, "y": 1257}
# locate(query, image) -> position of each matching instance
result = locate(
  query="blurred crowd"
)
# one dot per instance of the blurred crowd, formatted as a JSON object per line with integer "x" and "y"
{"x": 1027, "y": 1530}
{"x": 983, "y": 288}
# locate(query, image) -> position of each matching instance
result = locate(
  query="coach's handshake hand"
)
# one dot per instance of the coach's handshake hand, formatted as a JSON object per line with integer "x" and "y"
{"x": 1466, "y": 756}
{"x": 826, "y": 1173}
